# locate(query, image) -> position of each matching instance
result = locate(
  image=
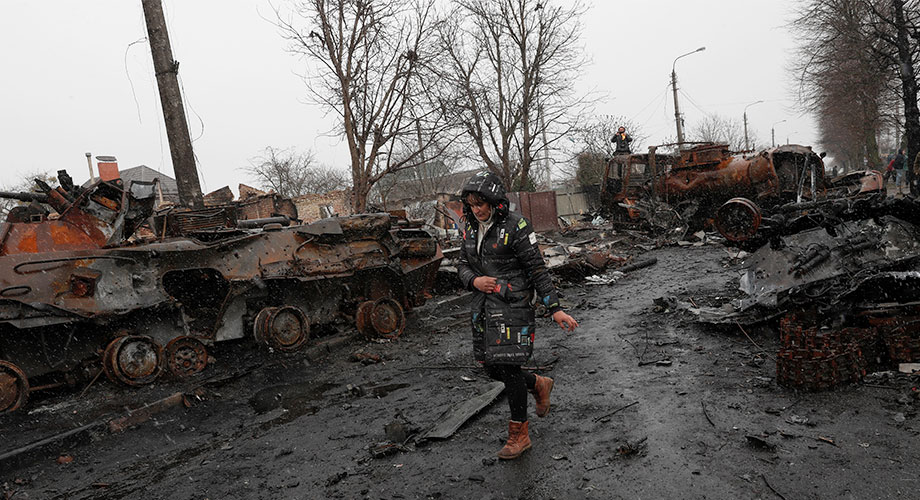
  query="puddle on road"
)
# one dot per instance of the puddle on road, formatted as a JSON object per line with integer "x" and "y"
{"x": 291, "y": 397}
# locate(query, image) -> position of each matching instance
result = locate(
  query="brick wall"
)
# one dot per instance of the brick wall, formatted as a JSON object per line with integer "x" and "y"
{"x": 309, "y": 206}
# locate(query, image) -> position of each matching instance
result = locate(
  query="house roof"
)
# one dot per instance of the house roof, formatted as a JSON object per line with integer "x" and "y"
{"x": 412, "y": 189}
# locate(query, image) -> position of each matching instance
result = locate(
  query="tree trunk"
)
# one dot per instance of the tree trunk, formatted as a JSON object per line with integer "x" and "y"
{"x": 359, "y": 192}
{"x": 872, "y": 158}
{"x": 909, "y": 89}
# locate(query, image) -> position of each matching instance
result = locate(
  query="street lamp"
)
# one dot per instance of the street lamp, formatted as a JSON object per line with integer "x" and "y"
{"x": 773, "y": 132}
{"x": 746, "y": 146}
{"x": 680, "y": 129}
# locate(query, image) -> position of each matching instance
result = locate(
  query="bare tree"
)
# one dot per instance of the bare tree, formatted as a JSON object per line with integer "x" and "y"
{"x": 369, "y": 64}
{"x": 511, "y": 66}
{"x": 717, "y": 128}
{"x": 290, "y": 173}
{"x": 856, "y": 58}
{"x": 25, "y": 184}
{"x": 422, "y": 181}
{"x": 904, "y": 21}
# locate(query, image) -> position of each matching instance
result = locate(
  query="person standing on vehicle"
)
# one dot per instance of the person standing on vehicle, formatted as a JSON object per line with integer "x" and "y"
{"x": 622, "y": 140}
{"x": 501, "y": 263}
{"x": 899, "y": 163}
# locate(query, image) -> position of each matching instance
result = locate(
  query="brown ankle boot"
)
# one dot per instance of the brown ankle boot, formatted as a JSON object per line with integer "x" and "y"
{"x": 518, "y": 441}
{"x": 541, "y": 390}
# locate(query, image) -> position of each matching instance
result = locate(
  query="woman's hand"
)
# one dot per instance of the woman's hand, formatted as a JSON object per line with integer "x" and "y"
{"x": 485, "y": 284}
{"x": 564, "y": 321}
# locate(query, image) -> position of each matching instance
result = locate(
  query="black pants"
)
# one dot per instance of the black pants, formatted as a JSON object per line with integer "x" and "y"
{"x": 517, "y": 383}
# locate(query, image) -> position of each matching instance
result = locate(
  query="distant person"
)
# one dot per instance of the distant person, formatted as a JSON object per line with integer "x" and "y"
{"x": 899, "y": 165}
{"x": 501, "y": 264}
{"x": 622, "y": 140}
{"x": 889, "y": 169}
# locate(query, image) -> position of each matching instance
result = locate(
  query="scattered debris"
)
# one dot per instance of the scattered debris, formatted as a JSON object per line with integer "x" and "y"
{"x": 706, "y": 414}
{"x": 366, "y": 358}
{"x": 780, "y": 495}
{"x": 841, "y": 275}
{"x": 336, "y": 478}
{"x": 631, "y": 449}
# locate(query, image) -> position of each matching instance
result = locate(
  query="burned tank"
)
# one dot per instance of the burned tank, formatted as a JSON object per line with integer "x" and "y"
{"x": 94, "y": 280}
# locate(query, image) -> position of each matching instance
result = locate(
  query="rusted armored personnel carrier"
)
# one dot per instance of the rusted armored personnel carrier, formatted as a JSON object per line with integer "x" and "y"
{"x": 83, "y": 290}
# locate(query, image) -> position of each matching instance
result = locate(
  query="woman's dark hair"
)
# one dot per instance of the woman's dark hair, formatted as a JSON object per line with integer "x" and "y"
{"x": 477, "y": 197}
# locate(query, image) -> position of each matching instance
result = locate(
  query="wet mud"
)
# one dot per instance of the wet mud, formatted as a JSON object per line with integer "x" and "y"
{"x": 647, "y": 404}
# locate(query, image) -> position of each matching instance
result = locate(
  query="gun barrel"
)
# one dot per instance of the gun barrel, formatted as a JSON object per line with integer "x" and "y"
{"x": 25, "y": 196}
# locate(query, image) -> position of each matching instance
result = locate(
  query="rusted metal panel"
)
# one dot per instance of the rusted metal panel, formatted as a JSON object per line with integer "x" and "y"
{"x": 538, "y": 208}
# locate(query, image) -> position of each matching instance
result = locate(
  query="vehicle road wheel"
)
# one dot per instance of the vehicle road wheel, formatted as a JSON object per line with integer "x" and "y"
{"x": 284, "y": 328}
{"x": 363, "y": 319}
{"x": 185, "y": 356}
{"x": 387, "y": 318}
{"x": 14, "y": 387}
{"x": 132, "y": 360}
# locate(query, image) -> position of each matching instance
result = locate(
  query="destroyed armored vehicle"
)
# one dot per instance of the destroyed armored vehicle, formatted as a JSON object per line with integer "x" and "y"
{"x": 843, "y": 280}
{"x": 697, "y": 180}
{"x": 100, "y": 282}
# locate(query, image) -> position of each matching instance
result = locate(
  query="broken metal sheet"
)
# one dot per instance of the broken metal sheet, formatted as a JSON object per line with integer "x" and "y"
{"x": 820, "y": 263}
{"x": 452, "y": 419}
{"x": 321, "y": 227}
{"x": 808, "y": 261}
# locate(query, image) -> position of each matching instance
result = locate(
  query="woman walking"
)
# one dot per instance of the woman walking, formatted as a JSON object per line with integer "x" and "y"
{"x": 501, "y": 263}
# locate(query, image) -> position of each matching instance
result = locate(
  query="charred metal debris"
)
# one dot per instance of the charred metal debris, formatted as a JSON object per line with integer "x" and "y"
{"x": 690, "y": 185}
{"x": 842, "y": 276}
{"x": 95, "y": 280}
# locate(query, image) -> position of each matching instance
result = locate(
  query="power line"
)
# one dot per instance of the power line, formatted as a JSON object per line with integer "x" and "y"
{"x": 137, "y": 105}
{"x": 695, "y": 105}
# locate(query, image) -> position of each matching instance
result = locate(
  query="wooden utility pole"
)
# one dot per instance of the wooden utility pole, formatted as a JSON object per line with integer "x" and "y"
{"x": 167, "y": 70}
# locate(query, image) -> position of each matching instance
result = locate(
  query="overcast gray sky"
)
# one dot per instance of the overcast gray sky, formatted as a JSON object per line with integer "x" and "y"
{"x": 74, "y": 81}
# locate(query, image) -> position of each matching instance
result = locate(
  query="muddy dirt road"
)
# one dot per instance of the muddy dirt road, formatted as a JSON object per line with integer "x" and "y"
{"x": 647, "y": 404}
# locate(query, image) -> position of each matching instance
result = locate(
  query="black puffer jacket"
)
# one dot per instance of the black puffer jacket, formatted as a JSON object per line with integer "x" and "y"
{"x": 503, "y": 322}
{"x": 622, "y": 141}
